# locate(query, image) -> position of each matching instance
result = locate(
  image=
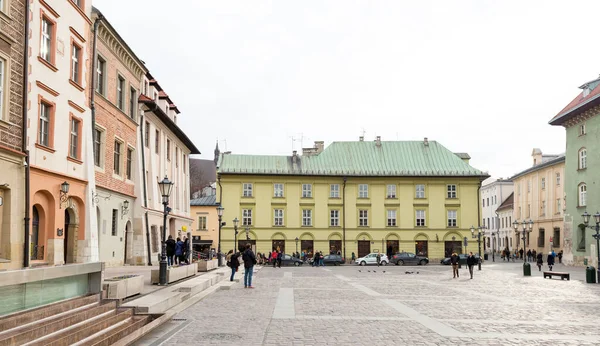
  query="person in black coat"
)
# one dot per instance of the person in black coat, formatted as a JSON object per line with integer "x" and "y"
{"x": 170, "y": 250}
{"x": 249, "y": 262}
{"x": 540, "y": 261}
{"x": 454, "y": 260}
{"x": 550, "y": 261}
{"x": 471, "y": 260}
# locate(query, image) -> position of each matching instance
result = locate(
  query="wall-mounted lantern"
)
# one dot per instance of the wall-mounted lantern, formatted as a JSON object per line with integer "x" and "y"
{"x": 64, "y": 193}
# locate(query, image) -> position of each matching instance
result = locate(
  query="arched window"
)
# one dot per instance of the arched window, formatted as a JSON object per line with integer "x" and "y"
{"x": 582, "y": 158}
{"x": 582, "y": 195}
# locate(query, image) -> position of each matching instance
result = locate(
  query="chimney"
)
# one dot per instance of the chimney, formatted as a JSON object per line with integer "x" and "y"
{"x": 378, "y": 141}
{"x": 319, "y": 145}
{"x": 537, "y": 156}
{"x": 425, "y": 142}
{"x": 294, "y": 157}
{"x": 361, "y": 139}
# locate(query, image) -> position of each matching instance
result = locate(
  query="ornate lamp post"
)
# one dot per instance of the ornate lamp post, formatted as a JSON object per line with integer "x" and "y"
{"x": 236, "y": 222}
{"x": 478, "y": 236}
{"x": 527, "y": 226}
{"x": 296, "y": 244}
{"x": 220, "y": 215}
{"x": 165, "y": 190}
{"x": 586, "y": 221}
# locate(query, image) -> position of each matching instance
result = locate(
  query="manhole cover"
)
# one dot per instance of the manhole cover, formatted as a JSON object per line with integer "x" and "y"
{"x": 221, "y": 336}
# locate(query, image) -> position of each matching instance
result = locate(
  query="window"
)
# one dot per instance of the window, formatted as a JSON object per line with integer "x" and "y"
{"x": 306, "y": 190}
{"x": 543, "y": 183}
{"x": 558, "y": 179}
{"x": 129, "y": 162}
{"x": 528, "y": 186}
{"x": 176, "y": 157}
{"x": 132, "y": 100}
{"x": 120, "y": 92}
{"x": 115, "y": 214}
{"x": 100, "y": 74}
{"x": 420, "y": 217}
{"x": 76, "y": 64}
{"x": 542, "y": 237}
{"x": 334, "y": 218}
{"x": 582, "y": 129}
{"x": 543, "y": 211}
{"x": 247, "y": 190}
{"x": 147, "y": 135}
{"x": 451, "y": 191}
{"x": 582, "y": 195}
{"x": 2, "y": 76}
{"x": 483, "y": 202}
{"x": 581, "y": 243}
{"x": 47, "y": 44}
{"x": 582, "y": 158}
{"x": 363, "y": 191}
{"x": 306, "y": 217}
{"x": 247, "y": 217}
{"x": 155, "y": 96}
{"x": 97, "y": 147}
{"x": 488, "y": 202}
{"x": 363, "y": 218}
{"x": 391, "y": 191}
{"x": 168, "y": 149}
{"x": 157, "y": 142}
{"x": 77, "y": 2}
{"x": 420, "y": 191}
{"x": 117, "y": 158}
{"x": 558, "y": 206}
{"x": 278, "y": 217}
{"x": 202, "y": 222}
{"x": 45, "y": 122}
{"x": 452, "y": 218}
{"x": 278, "y": 190}
{"x": 556, "y": 238}
{"x": 74, "y": 139}
{"x": 334, "y": 191}
{"x": 391, "y": 218}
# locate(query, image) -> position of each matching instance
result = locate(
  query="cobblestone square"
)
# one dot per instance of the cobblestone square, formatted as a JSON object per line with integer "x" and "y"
{"x": 368, "y": 305}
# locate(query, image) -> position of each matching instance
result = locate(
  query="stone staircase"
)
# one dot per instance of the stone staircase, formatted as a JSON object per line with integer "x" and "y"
{"x": 79, "y": 321}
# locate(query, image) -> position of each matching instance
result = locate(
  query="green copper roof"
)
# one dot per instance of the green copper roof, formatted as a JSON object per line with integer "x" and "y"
{"x": 398, "y": 158}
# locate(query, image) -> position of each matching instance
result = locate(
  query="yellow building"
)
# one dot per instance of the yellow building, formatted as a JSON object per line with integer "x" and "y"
{"x": 540, "y": 196}
{"x": 353, "y": 197}
{"x": 205, "y": 227}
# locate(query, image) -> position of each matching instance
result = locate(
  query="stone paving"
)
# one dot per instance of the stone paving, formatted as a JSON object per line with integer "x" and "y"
{"x": 353, "y": 305}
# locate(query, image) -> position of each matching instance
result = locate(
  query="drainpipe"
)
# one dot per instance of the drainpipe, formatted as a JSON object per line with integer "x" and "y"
{"x": 93, "y": 81}
{"x": 24, "y": 139}
{"x": 344, "y": 216}
{"x": 145, "y": 189}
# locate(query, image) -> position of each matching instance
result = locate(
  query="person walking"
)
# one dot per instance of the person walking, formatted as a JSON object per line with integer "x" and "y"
{"x": 186, "y": 250}
{"x": 170, "y": 250}
{"x": 550, "y": 261}
{"x": 249, "y": 262}
{"x": 179, "y": 250}
{"x": 471, "y": 260}
{"x": 233, "y": 263}
{"x": 540, "y": 261}
{"x": 279, "y": 258}
{"x": 274, "y": 258}
{"x": 353, "y": 257}
{"x": 321, "y": 259}
{"x": 454, "y": 259}
{"x": 529, "y": 255}
{"x": 378, "y": 259}
{"x": 560, "y": 254}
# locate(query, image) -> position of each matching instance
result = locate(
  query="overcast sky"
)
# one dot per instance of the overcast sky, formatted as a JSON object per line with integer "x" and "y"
{"x": 482, "y": 77}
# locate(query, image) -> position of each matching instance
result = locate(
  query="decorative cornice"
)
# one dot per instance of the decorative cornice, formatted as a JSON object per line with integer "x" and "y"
{"x": 582, "y": 117}
{"x": 116, "y": 46}
{"x": 49, "y": 8}
{"x": 76, "y": 106}
{"x": 48, "y": 89}
{"x": 78, "y": 35}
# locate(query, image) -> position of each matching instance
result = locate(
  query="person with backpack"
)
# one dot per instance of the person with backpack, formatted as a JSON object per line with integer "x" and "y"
{"x": 233, "y": 262}
{"x": 550, "y": 261}
{"x": 540, "y": 261}
{"x": 249, "y": 262}
{"x": 179, "y": 250}
{"x": 170, "y": 250}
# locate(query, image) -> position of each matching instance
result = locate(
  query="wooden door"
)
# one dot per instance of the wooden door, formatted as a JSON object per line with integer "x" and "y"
{"x": 306, "y": 246}
{"x": 335, "y": 246}
{"x": 364, "y": 247}
{"x": 392, "y": 247}
{"x": 278, "y": 245}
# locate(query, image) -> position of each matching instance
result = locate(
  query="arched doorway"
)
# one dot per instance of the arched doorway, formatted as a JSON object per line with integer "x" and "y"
{"x": 307, "y": 243}
{"x": 364, "y": 244}
{"x": 278, "y": 242}
{"x": 37, "y": 251}
{"x": 392, "y": 244}
{"x": 70, "y": 236}
{"x": 128, "y": 243}
{"x": 452, "y": 243}
{"x": 335, "y": 243}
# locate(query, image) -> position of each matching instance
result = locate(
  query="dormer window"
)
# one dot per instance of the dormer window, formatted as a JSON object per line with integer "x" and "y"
{"x": 586, "y": 91}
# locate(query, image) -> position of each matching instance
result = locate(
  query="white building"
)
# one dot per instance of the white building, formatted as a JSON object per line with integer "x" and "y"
{"x": 502, "y": 238}
{"x": 492, "y": 195}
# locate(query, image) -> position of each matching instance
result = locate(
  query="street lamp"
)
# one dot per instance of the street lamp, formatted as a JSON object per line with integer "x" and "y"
{"x": 236, "y": 222}
{"x": 296, "y": 244}
{"x": 527, "y": 226}
{"x": 220, "y": 215}
{"x": 586, "y": 221}
{"x": 165, "y": 190}
{"x": 478, "y": 236}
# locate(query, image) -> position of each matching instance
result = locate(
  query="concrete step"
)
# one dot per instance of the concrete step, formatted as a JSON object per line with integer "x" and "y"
{"x": 112, "y": 335}
{"x": 33, "y": 331}
{"x": 23, "y": 318}
{"x": 69, "y": 336}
